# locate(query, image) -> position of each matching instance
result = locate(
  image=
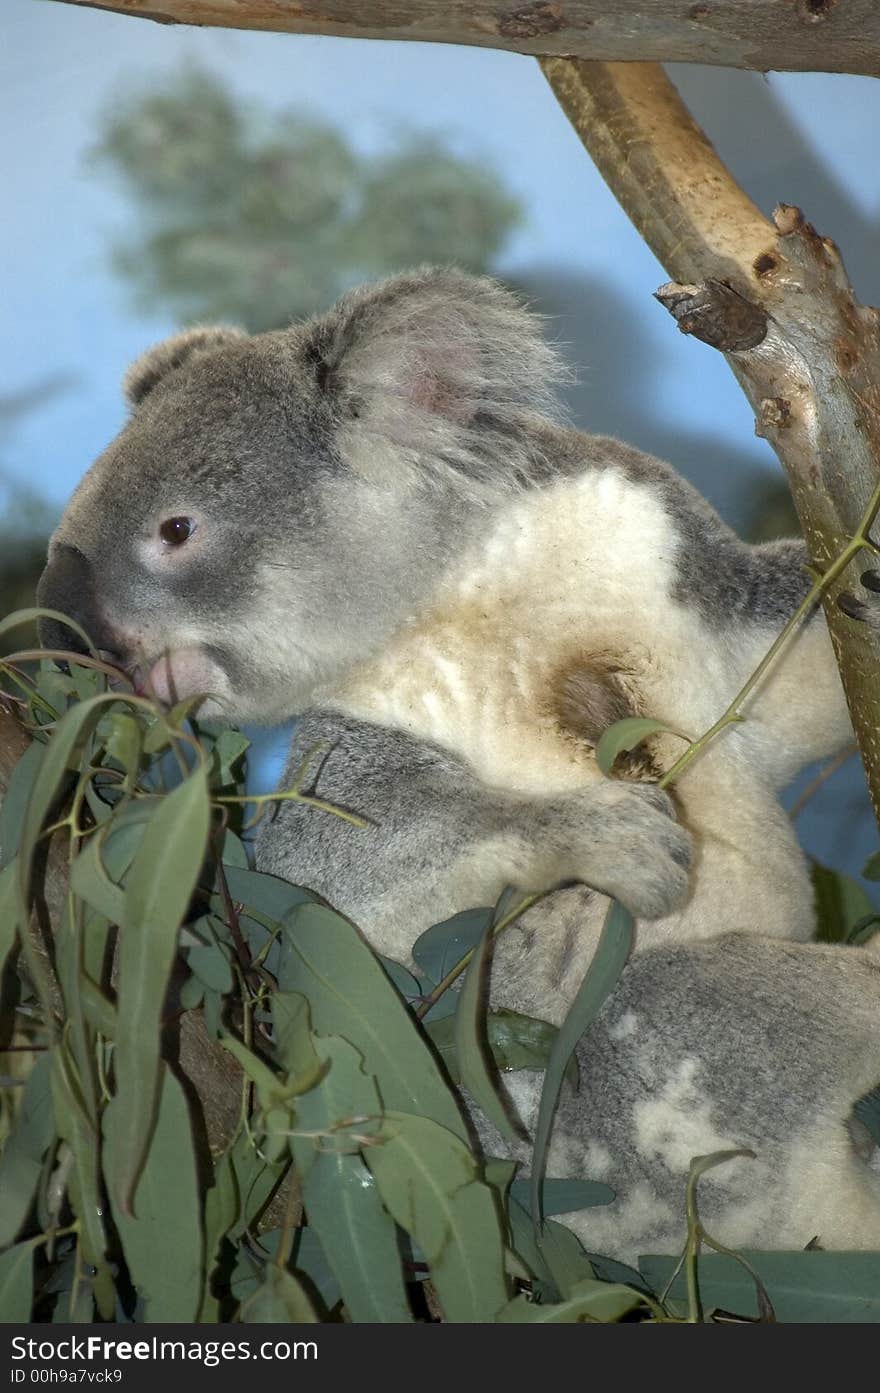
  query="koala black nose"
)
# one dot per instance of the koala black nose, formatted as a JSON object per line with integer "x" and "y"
{"x": 67, "y": 585}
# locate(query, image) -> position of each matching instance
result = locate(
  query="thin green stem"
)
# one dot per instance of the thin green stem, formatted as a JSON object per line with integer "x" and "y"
{"x": 455, "y": 972}
{"x": 733, "y": 714}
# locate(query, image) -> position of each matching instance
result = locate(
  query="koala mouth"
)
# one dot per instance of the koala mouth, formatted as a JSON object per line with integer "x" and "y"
{"x": 180, "y": 673}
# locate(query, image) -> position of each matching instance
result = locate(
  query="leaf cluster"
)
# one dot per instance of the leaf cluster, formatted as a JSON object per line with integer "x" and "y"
{"x": 349, "y": 1187}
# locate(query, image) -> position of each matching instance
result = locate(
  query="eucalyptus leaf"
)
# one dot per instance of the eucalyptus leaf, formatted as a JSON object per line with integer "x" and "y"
{"x": 805, "y": 1286}
{"x": 341, "y": 1200}
{"x": 84, "y": 1189}
{"x": 21, "y": 1161}
{"x": 565, "y": 1257}
{"x": 160, "y": 883}
{"x": 840, "y": 903}
{"x": 229, "y": 748}
{"x": 90, "y": 881}
{"x": 516, "y": 1042}
{"x": 15, "y": 799}
{"x": 16, "y": 1284}
{"x": 324, "y": 957}
{"x": 122, "y": 740}
{"x": 21, "y": 618}
{"x": 163, "y": 1244}
{"x": 8, "y": 911}
{"x": 279, "y": 1300}
{"x": 867, "y": 1110}
{"x": 614, "y": 947}
{"x": 475, "y": 1064}
{"x": 233, "y": 851}
{"x": 589, "y": 1301}
{"x": 870, "y": 870}
{"x": 439, "y": 948}
{"x": 429, "y": 1182}
{"x": 211, "y": 965}
{"x": 563, "y": 1196}
{"x": 624, "y": 736}
{"x": 295, "y": 1050}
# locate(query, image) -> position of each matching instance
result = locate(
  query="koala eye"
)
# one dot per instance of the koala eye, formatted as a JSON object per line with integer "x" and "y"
{"x": 175, "y": 531}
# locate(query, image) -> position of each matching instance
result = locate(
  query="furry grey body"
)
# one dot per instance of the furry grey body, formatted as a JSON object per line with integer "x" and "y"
{"x": 390, "y": 533}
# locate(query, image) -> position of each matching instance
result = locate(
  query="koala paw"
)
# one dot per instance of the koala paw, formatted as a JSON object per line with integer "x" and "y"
{"x": 640, "y": 854}
{"x": 865, "y": 610}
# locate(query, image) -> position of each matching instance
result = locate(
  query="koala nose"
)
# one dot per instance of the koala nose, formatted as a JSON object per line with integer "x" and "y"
{"x": 67, "y": 585}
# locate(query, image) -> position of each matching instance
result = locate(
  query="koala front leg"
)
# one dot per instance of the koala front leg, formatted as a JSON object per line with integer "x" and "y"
{"x": 439, "y": 841}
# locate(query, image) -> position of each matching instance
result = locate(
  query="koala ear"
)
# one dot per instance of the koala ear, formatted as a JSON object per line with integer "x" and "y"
{"x": 148, "y": 370}
{"x": 434, "y": 369}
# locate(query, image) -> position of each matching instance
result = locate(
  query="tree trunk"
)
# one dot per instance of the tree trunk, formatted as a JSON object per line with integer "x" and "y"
{"x": 774, "y": 297}
{"x": 817, "y": 35}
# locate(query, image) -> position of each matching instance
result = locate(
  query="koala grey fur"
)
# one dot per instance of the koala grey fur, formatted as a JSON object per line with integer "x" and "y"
{"x": 394, "y": 538}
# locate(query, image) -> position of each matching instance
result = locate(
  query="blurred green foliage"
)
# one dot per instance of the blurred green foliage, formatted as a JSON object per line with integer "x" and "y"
{"x": 243, "y": 214}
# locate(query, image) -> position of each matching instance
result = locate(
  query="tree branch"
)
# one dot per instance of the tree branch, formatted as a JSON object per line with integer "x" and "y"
{"x": 814, "y": 35}
{"x": 775, "y": 298}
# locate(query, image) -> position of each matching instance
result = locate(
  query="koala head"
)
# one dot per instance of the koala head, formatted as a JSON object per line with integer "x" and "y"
{"x": 278, "y": 504}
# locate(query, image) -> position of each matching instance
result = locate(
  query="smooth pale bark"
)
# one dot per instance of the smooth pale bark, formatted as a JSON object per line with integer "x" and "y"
{"x": 819, "y": 35}
{"x": 774, "y": 296}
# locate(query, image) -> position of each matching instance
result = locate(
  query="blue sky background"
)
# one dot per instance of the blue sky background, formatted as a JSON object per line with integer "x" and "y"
{"x": 801, "y": 138}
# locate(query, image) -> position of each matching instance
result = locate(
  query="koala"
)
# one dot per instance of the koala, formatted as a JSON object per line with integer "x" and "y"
{"x": 379, "y": 521}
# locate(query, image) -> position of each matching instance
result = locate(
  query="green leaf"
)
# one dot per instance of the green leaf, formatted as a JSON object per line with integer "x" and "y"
{"x": 430, "y": 1183}
{"x": 279, "y": 1300}
{"x": 14, "y": 801}
{"x": 564, "y": 1196}
{"x": 256, "y": 1180}
{"x": 90, "y": 881}
{"x": 439, "y": 948}
{"x": 516, "y": 1042}
{"x": 211, "y": 965}
{"x": 840, "y": 903}
{"x": 871, "y": 869}
{"x": 565, "y": 1257}
{"x": 272, "y": 897}
{"x": 228, "y": 750}
{"x": 21, "y": 1162}
{"x": 84, "y": 1190}
{"x": 292, "y": 1039}
{"x": 160, "y": 883}
{"x": 163, "y": 1244}
{"x": 609, "y": 960}
{"x": 624, "y": 736}
{"x": 805, "y": 1287}
{"x": 58, "y": 757}
{"x": 234, "y": 852}
{"x": 122, "y": 740}
{"x": 357, "y": 1233}
{"x": 478, "y": 1075}
{"x": 23, "y": 617}
{"x": 222, "y": 1208}
{"x": 16, "y": 1284}
{"x": 589, "y": 1301}
{"x": 324, "y": 957}
{"x": 8, "y": 911}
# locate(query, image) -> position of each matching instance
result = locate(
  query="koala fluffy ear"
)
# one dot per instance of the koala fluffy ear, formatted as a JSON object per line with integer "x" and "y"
{"x": 434, "y": 369}
{"x": 148, "y": 370}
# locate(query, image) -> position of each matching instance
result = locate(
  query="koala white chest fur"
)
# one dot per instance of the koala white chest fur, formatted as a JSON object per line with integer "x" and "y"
{"x": 373, "y": 522}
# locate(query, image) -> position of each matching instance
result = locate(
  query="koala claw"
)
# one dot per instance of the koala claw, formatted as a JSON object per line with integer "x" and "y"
{"x": 643, "y": 855}
{"x": 863, "y": 611}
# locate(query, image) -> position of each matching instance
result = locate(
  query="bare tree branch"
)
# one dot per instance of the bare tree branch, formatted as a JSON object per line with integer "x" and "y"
{"x": 775, "y": 298}
{"x": 817, "y": 35}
